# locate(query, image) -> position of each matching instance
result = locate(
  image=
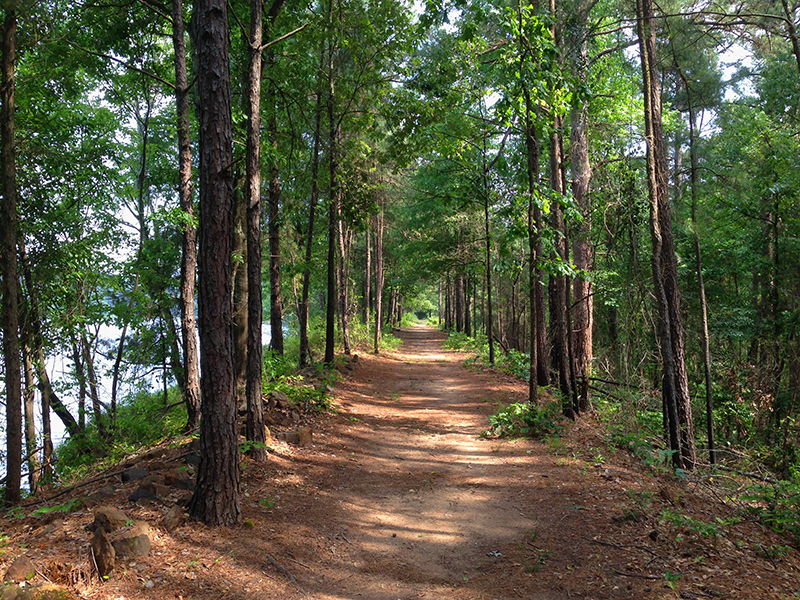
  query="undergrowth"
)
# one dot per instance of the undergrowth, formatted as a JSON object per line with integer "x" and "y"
{"x": 525, "y": 419}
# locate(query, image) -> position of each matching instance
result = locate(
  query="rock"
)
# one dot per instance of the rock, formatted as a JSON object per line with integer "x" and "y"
{"x": 37, "y": 591}
{"x": 104, "y": 493}
{"x": 132, "y": 542}
{"x": 143, "y": 497}
{"x": 278, "y": 398}
{"x": 295, "y": 415}
{"x": 305, "y": 434}
{"x": 302, "y": 436}
{"x": 174, "y": 518}
{"x": 109, "y": 518}
{"x": 179, "y": 479}
{"x": 103, "y": 551}
{"x": 134, "y": 474}
{"x": 22, "y": 569}
{"x": 291, "y": 437}
{"x": 56, "y": 526}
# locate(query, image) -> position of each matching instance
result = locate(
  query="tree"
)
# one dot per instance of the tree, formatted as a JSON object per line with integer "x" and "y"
{"x": 675, "y": 386}
{"x": 216, "y": 497}
{"x": 8, "y": 239}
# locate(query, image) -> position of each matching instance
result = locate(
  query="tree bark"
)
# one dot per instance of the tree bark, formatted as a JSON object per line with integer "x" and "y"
{"x": 8, "y": 238}
{"x": 333, "y": 203}
{"x": 675, "y": 388}
{"x": 379, "y": 279}
{"x": 254, "y": 427}
{"x": 216, "y": 497}
{"x": 275, "y": 302}
{"x": 191, "y": 366}
{"x": 312, "y": 207}
{"x": 29, "y": 397}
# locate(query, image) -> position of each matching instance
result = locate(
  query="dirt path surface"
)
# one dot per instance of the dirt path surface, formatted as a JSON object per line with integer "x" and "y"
{"x": 399, "y": 497}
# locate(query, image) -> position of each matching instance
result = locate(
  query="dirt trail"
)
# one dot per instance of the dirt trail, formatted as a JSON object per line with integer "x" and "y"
{"x": 399, "y": 497}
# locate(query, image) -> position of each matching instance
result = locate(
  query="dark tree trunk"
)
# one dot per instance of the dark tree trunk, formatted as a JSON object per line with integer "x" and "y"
{"x": 379, "y": 279}
{"x": 8, "y": 238}
{"x": 241, "y": 289}
{"x": 254, "y": 427}
{"x": 558, "y": 304}
{"x": 191, "y": 366}
{"x": 216, "y": 496}
{"x": 675, "y": 388}
{"x": 534, "y": 251}
{"x": 312, "y": 207}
{"x": 333, "y": 204}
{"x": 344, "y": 236}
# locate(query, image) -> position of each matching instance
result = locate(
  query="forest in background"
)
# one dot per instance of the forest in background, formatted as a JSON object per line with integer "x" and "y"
{"x": 604, "y": 192}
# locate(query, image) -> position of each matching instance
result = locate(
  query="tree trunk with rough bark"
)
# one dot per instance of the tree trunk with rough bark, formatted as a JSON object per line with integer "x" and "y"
{"x": 8, "y": 239}
{"x": 191, "y": 366}
{"x": 675, "y": 388}
{"x": 216, "y": 497}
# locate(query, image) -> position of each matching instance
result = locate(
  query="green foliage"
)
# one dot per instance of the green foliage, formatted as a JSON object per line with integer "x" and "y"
{"x": 776, "y": 505}
{"x": 525, "y": 419}
{"x": 142, "y": 420}
{"x": 66, "y": 508}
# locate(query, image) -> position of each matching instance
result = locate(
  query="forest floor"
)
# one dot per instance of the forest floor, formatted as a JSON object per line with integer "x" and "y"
{"x": 400, "y": 497}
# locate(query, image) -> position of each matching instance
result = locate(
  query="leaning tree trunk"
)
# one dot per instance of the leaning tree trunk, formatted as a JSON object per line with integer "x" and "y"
{"x": 216, "y": 497}
{"x": 675, "y": 388}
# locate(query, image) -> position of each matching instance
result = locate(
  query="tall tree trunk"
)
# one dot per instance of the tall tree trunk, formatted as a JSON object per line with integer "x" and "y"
{"x": 241, "y": 289}
{"x": 29, "y": 397}
{"x": 534, "y": 252}
{"x": 367, "y": 278}
{"x": 216, "y": 497}
{"x": 582, "y": 251}
{"x": 379, "y": 279}
{"x": 92, "y": 381}
{"x": 191, "y": 366}
{"x": 702, "y": 288}
{"x": 8, "y": 238}
{"x": 80, "y": 375}
{"x": 344, "y": 236}
{"x": 312, "y": 207}
{"x": 488, "y": 256}
{"x": 333, "y": 201}
{"x": 558, "y": 304}
{"x": 675, "y": 388}
{"x": 254, "y": 427}
{"x": 275, "y": 302}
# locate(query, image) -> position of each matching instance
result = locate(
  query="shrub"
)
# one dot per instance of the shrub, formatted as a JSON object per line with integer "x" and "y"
{"x": 525, "y": 419}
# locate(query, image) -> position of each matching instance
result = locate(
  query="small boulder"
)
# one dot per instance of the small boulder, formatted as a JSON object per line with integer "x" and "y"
{"x": 174, "y": 518}
{"x": 37, "y": 591}
{"x": 134, "y": 474}
{"x": 104, "y": 554}
{"x": 143, "y": 497}
{"x": 109, "y": 518}
{"x": 178, "y": 479}
{"x": 305, "y": 434}
{"x": 104, "y": 493}
{"x": 22, "y": 569}
{"x": 132, "y": 542}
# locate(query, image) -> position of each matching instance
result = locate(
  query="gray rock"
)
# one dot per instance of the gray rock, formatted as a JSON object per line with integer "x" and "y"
{"x": 132, "y": 542}
{"x": 134, "y": 474}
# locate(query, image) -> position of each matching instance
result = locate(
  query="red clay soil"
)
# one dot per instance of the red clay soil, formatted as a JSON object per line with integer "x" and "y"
{"x": 400, "y": 497}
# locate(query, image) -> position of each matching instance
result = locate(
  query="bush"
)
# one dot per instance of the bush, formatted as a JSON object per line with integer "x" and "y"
{"x": 525, "y": 419}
